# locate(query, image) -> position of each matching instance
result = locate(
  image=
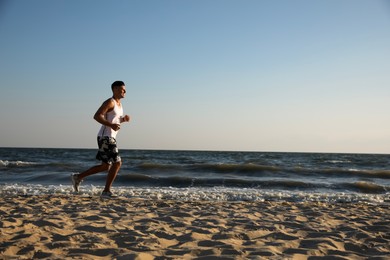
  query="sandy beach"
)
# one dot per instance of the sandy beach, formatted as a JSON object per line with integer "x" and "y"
{"x": 77, "y": 227}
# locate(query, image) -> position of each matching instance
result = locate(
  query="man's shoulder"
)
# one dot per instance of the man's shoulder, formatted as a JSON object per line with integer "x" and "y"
{"x": 109, "y": 101}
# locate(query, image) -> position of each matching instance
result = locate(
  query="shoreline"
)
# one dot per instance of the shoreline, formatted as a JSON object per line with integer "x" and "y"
{"x": 217, "y": 193}
{"x": 58, "y": 227}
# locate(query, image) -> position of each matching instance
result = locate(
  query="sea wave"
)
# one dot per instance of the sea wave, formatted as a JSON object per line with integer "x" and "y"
{"x": 242, "y": 168}
{"x": 223, "y": 169}
{"x": 207, "y": 167}
{"x": 158, "y": 167}
{"x": 265, "y": 183}
{"x": 368, "y": 187}
{"x": 251, "y": 169}
{"x": 10, "y": 164}
{"x": 21, "y": 166}
{"x": 285, "y": 172}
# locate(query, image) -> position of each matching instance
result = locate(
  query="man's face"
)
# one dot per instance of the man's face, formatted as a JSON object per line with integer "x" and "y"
{"x": 120, "y": 91}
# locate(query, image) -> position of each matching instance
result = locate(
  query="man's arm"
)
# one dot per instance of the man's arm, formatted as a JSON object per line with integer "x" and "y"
{"x": 100, "y": 114}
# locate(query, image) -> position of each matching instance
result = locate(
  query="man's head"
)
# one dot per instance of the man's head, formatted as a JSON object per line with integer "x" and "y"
{"x": 118, "y": 89}
{"x": 117, "y": 84}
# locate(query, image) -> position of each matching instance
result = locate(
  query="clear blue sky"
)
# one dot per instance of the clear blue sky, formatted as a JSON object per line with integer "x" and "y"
{"x": 300, "y": 76}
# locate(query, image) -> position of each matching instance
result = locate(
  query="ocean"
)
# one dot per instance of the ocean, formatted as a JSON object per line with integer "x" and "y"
{"x": 203, "y": 175}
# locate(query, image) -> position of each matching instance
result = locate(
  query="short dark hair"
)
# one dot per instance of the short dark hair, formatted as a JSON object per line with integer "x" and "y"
{"x": 117, "y": 83}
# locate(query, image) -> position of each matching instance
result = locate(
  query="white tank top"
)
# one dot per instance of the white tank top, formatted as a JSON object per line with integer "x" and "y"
{"x": 114, "y": 117}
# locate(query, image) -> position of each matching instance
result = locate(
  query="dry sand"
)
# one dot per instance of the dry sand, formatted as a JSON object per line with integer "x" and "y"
{"x": 59, "y": 227}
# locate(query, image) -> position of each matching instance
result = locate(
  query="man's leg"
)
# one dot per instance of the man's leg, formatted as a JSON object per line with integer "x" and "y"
{"x": 93, "y": 170}
{"x": 112, "y": 175}
{"x": 78, "y": 178}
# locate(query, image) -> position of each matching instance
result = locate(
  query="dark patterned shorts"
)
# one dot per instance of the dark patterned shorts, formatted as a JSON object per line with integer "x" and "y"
{"x": 108, "y": 151}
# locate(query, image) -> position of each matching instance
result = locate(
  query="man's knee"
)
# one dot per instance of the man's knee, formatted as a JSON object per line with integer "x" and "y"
{"x": 118, "y": 164}
{"x": 106, "y": 166}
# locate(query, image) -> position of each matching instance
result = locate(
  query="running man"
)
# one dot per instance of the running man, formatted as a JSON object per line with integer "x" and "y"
{"x": 110, "y": 116}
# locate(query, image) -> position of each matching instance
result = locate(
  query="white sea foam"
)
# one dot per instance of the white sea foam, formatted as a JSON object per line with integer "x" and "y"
{"x": 15, "y": 163}
{"x": 191, "y": 194}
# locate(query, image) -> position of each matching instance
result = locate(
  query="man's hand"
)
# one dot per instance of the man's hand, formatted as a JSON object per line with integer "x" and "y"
{"x": 115, "y": 127}
{"x": 126, "y": 118}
